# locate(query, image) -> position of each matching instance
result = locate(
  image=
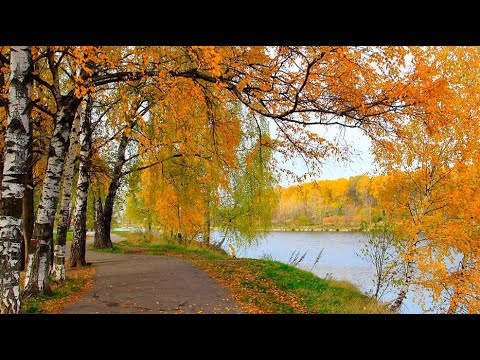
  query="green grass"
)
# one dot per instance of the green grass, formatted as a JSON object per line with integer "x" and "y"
{"x": 125, "y": 247}
{"x": 319, "y": 295}
{"x": 117, "y": 248}
{"x": 41, "y": 304}
{"x": 260, "y": 285}
{"x": 134, "y": 240}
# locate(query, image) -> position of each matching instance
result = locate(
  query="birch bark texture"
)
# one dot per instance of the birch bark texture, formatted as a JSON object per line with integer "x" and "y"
{"x": 77, "y": 253}
{"x": 38, "y": 266}
{"x": 58, "y": 269}
{"x": 402, "y": 294}
{"x": 99, "y": 241}
{"x": 28, "y": 209}
{"x": 17, "y": 140}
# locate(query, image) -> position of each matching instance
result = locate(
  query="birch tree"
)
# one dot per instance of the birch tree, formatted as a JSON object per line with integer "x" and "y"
{"x": 38, "y": 265}
{"x": 13, "y": 182}
{"x": 77, "y": 254}
{"x": 432, "y": 182}
{"x": 63, "y": 224}
{"x": 67, "y": 93}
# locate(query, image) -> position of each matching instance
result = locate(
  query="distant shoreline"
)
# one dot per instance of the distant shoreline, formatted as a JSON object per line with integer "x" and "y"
{"x": 357, "y": 229}
{"x": 315, "y": 230}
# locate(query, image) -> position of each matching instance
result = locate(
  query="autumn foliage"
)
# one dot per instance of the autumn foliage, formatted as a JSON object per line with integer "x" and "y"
{"x": 196, "y": 137}
{"x": 329, "y": 204}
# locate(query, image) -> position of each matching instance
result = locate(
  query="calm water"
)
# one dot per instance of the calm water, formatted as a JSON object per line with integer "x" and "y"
{"x": 339, "y": 258}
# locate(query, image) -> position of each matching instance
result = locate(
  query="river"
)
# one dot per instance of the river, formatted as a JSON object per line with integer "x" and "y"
{"x": 339, "y": 259}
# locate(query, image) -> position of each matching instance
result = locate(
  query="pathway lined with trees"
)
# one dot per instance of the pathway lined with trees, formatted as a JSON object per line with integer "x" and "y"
{"x": 199, "y": 137}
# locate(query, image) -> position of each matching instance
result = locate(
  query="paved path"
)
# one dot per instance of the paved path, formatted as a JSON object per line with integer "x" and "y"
{"x": 136, "y": 284}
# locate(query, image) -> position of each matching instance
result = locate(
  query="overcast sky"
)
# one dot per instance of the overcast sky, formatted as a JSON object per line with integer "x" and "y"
{"x": 361, "y": 164}
{"x": 333, "y": 169}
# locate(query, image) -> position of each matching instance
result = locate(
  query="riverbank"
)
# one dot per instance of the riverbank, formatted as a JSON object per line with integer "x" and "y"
{"x": 258, "y": 285}
{"x": 121, "y": 230}
{"x": 311, "y": 229}
{"x": 352, "y": 229}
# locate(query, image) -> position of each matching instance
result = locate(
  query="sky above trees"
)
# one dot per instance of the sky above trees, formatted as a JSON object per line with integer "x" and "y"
{"x": 333, "y": 168}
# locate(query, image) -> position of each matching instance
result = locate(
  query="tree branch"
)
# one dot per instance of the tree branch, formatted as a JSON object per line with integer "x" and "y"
{"x": 150, "y": 165}
{"x": 131, "y": 158}
{"x": 56, "y": 79}
{"x": 4, "y": 59}
{"x": 44, "y": 83}
{"x": 43, "y": 109}
{"x": 160, "y": 162}
{"x": 98, "y": 80}
{"x": 64, "y": 52}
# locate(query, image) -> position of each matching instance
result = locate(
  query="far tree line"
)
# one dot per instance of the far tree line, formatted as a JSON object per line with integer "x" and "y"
{"x": 350, "y": 204}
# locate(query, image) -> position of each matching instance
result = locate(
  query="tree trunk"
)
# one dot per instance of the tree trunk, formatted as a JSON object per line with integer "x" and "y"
{"x": 112, "y": 191}
{"x": 58, "y": 270}
{"x": 455, "y": 299}
{"x": 77, "y": 254}
{"x": 2, "y": 161}
{"x": 179, "y": 218}
{"x": 100, "y": 238}
{"x": 78, "y": 248}
{"x": 36, "y": 279}
{"x": 402, "y": 294}
{"x": 108, "y": 207}
{"x": 2, "y": 129}
{"x": 114, "y": 185}
{"x": 206, "y": 231}
{"x": 28, "y": 213}
{"x": 17, "y": 140}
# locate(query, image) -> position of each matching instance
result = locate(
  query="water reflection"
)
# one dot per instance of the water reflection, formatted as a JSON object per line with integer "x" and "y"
{"x": 339, "y": 258}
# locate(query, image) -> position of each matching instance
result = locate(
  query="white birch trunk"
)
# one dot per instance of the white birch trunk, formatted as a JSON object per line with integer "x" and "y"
{"x": 37, "y": 280}
{"x": 58, "y": 269}
{"x": 14, "y": 172}
{"x": 77, "y": 254}
{"x": 402, "y": 294}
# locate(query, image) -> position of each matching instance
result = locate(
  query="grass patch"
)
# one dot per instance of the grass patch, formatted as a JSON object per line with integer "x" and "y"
{"x": 260, "y": 285}
{"x": 79, "y": 280}
{"x": 318, "y": 295}
{"x": 156, "y": 245}
{"x": 117, "y": 248}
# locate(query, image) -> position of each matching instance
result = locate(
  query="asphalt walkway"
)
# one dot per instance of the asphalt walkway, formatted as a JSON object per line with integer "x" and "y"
{"x": 138, "y": 284}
